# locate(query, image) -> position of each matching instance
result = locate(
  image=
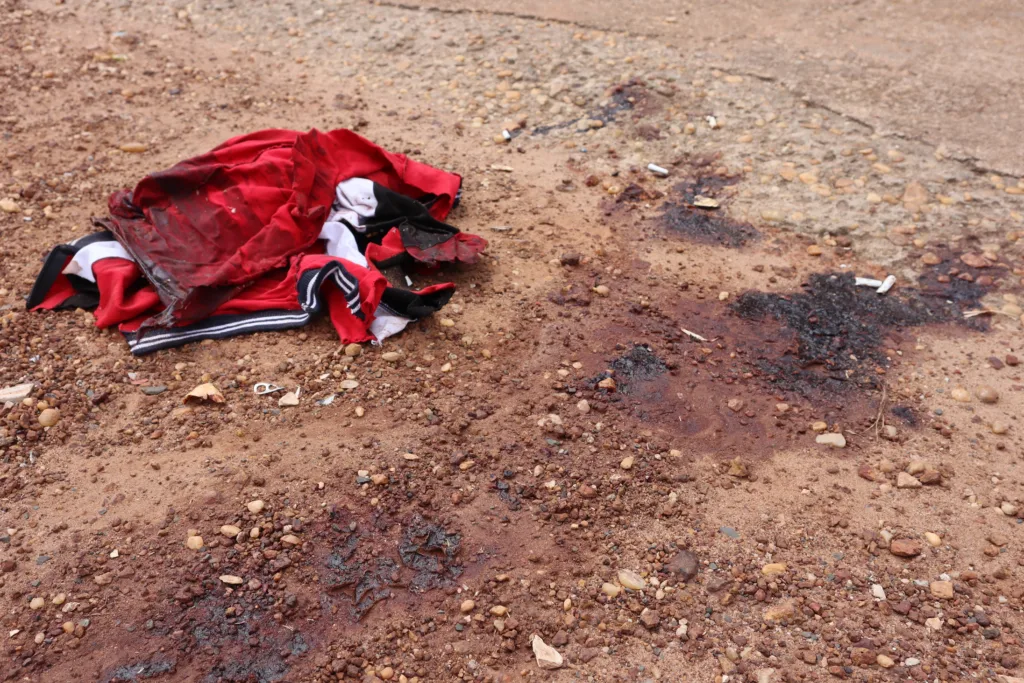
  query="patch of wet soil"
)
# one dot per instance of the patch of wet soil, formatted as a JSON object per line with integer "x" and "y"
{"x": 365, "y": 568}
{"x": 838, "y": 329}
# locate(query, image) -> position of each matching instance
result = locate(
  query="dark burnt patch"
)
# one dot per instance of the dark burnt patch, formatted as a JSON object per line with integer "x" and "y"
{"x": 362, "y": 569}
{"x": 957, "y": 276}
{"x": 708, "y": 226}
{"x": 141, "y": 671}
{"x": 905, "y": 414}
{"x": 633, "y": 96}
{"x": 837, "y": 330}
{"x": 638, "y": 365}
{"x": 431, "y": 552}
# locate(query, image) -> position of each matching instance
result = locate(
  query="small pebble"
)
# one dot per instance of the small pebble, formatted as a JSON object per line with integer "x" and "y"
{"x": 835, "y": 440}
{"x": 987, "y": 394}
{"x": 49, "y": 417}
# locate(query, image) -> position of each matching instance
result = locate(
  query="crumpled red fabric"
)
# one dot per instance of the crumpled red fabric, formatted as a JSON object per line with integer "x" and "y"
{"x": 210, "y": 225}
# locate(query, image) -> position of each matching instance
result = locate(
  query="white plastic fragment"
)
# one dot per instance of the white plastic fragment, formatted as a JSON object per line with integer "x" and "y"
{"x": 505, "y": 134}
{"x": 887, "y": 285}
{"x": 712, "y": 121}
{"x": 867, "y": 282}
{"x": 657, "y": 170}
{"x": 408, "y": 281}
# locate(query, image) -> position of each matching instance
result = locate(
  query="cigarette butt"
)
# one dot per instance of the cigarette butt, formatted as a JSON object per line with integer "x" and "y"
{"x": 887, "y": 284}
{"x": 867, "y": 282}
{"x": 657, "y": 170}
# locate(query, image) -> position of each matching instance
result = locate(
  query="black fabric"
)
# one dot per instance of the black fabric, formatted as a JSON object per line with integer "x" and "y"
{"x": 87, "y": 293}
{"x": 412, "y": 218}
{"x": 412, "y": 305}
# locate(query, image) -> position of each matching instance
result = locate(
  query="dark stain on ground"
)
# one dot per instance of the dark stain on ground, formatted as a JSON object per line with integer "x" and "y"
{"x": 639, "y": 364}
{"x": 838, "y": 329}
{"x": 365, "y": 581}
{"x": 954, "y": 280}
{"x": 431, "y": 552}
{"x": 707, "y": 226}
{"x": 624, "y": 97}
{"x": 364, "y": 570}
{"x": 905, "y": 414}
{"x": 140, "y": 671}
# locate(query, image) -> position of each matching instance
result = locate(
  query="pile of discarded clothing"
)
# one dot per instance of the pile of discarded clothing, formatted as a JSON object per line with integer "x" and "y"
{"x": 263, "y": 233}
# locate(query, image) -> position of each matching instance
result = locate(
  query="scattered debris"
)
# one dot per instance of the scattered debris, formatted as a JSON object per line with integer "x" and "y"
{"x": 17, "y": 393}
{"x": 702, "y": 202}
{"x": 263, "y": 388}
{"x": 205, "y": 392}
{"x": 290, "y": 399}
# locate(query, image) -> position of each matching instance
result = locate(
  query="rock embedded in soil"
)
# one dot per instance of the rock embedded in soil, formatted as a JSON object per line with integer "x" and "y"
{"x": 49, "y": 417}
{"x": 835, "y": 440}
{"x": 907, "y": 481}
{"x": 194, "y": 542}
{"x": 684, "y": 564}
{"x": 230, "y": 530}
{"x": 905, "y": 547}
{"x": 467, "y": 606}
{"x": 783, "y": 611}
{"x": 942, "y": 589}
{"x": 255, "y": 506}
{"x": 232, "y": 580}
{"x": 934, "y": 540}
{"x": 547, "y": 657}
{"x": 610, "y": 589}
{"x": 987, "y": 394}
{"x": 960, "y": 394}
{"x": 631, "y": 580}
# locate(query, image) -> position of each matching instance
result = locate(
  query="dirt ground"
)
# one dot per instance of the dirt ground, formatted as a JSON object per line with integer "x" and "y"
{"x": 659, "y": 426}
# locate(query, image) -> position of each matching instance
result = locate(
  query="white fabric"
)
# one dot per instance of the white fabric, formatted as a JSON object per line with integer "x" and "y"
{"x": 355, "y": 201}
{"x": 82, "y": 262}
{"x": 341, "y": 242}
{"x": 385, "y": 324}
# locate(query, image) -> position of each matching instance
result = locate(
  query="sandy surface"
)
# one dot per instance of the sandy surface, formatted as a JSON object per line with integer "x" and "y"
{"x": 609, "y": 439}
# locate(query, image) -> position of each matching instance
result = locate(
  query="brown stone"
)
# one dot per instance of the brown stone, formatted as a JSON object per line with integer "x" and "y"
{"x": 867, "y": 472}
{"x": 684, "y": 564}
{"x": 905, "y": 547}
{"x": 862, "y": 656}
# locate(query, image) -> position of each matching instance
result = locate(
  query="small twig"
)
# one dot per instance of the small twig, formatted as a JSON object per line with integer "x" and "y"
{"x": 985, "y": 311}
{"x": 692, "y": 335}
{"x": 880, "y": 418}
